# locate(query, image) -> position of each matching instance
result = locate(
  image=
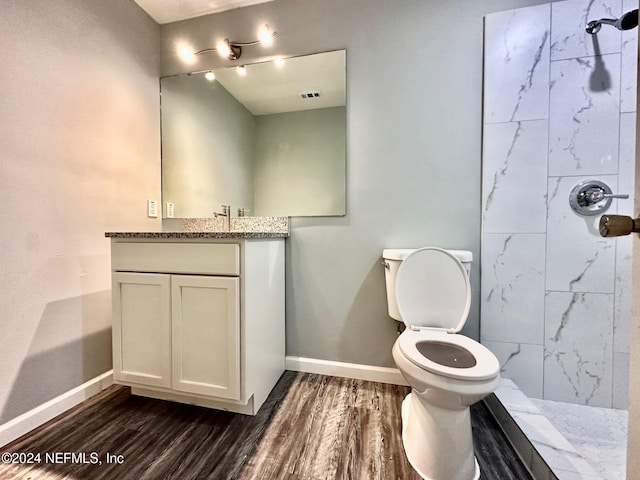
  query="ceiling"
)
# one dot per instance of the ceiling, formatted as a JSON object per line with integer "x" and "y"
{"x": 260, "y": 91}
{"x": 167, "y": 11}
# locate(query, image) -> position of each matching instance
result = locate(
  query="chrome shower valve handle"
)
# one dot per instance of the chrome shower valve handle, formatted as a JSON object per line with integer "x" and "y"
{"x": 592, "y": 197}
{"x": 599, "y": 195}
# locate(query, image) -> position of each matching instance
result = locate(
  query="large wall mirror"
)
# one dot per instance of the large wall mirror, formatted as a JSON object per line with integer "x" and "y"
{"x": 269, "y": 138}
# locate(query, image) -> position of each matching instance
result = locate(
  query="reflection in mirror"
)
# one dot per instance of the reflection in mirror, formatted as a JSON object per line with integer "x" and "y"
{"x": 272, "y": 141}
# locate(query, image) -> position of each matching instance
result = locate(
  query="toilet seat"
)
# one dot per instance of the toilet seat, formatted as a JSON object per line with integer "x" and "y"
{"x": 434, "y": 297}
{"x": 486, "y": 367}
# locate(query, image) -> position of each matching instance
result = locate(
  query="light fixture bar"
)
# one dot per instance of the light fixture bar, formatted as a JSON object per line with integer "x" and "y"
{"x": 233, "y": 50}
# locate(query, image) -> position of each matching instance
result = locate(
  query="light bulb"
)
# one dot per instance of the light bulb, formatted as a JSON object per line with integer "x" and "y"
{"x": 210, "y": 76}
{"x": 240, "y": 70}
{"x": 223, "y": 48}
{"x": 185, "y": 52}
{"x": 265, "y": 35}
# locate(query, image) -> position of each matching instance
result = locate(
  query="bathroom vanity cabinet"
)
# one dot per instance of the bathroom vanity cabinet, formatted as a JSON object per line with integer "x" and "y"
{"x": 199, "y": 320}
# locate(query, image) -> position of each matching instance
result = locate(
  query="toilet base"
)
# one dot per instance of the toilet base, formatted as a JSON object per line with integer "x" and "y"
{"x": 438, "y": 442}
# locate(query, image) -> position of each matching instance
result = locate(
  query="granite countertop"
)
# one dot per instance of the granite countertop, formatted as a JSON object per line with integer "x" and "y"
{"x": 242, "y": 235}
{"x": 240, "y": 227}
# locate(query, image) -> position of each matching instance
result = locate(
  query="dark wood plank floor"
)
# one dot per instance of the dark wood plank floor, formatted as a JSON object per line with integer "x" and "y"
{"x": 338, "y": 428}
{"x": 311, "y": 427}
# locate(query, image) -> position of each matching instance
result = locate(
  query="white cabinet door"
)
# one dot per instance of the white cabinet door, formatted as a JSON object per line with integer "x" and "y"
{"x": 142, "y": 328}
{"x": 206, "y": 335}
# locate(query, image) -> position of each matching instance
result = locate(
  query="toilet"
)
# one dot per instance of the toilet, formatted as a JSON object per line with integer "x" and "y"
{"x": 428, "y": 289}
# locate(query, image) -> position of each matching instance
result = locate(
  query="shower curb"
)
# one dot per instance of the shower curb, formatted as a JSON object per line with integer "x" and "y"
{"x": 543, "y": 450}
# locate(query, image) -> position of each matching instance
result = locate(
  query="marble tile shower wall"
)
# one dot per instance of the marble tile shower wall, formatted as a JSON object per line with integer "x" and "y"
{"x": 559, "y": 108}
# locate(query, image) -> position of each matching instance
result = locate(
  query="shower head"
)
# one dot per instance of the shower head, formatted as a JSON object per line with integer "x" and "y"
{"x": 626, "y": 22}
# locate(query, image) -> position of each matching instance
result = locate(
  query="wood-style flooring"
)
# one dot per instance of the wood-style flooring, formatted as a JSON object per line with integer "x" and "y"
{"x": 311, "y": 427}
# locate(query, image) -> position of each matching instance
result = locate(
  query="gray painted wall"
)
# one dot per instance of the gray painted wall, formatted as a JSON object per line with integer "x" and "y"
{"x": 79, "y": 155}
{"x": 414, "y": 113}
{"x": 299, "y": 164}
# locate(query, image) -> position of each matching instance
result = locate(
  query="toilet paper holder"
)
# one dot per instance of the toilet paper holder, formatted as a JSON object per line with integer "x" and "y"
{"x": 618, "y": 225}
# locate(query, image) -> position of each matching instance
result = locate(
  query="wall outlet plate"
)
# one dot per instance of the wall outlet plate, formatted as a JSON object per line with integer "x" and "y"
{"x": 152, "y": 209}
{"x": 170, "y": 210}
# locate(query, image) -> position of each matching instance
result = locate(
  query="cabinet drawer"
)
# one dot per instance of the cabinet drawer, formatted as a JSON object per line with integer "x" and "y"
{"x": 198, "y": 258}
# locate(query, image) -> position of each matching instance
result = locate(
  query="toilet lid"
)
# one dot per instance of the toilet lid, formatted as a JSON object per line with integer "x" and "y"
{"x": 433, "y": 290}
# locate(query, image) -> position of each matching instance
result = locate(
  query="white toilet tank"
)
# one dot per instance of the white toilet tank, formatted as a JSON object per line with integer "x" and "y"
{"x": 393, "y": 257}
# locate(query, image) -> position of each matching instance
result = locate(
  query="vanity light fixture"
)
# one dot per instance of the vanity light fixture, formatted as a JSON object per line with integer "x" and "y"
{"x": 241, "y": 70}
{"x": 233, "y": 50}
{"x": 210, "y": 76}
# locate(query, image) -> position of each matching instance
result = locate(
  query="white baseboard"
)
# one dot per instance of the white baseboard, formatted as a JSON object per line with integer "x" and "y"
{"x": 40, "y": 415}
{"x": 346, "y": 370}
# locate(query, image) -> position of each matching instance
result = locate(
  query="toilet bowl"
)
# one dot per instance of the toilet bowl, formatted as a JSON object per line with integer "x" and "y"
{"x": 429, "y": 290}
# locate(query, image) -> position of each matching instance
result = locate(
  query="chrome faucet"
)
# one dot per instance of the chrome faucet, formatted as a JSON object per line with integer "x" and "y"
{"x": 226, "y": 217}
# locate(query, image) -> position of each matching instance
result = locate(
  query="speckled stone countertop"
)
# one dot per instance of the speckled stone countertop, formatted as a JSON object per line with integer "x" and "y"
{"x": 241, "y": 227}
{"x": 242, "y": 235}
{"x": 238, "y": 224}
